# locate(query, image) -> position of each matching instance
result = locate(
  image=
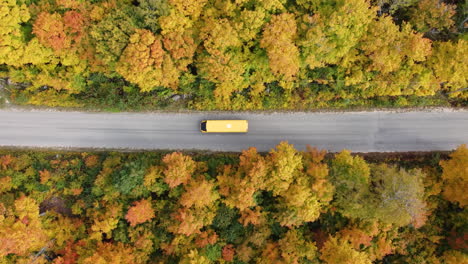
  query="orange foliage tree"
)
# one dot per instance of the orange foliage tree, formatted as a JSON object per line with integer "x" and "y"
{"x": 238, "y": 184}
{"x": 140, "y": 212}
{"x": 146, "y": 63}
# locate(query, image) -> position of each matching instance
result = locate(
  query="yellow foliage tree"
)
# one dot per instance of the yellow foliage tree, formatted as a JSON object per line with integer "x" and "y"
{"x": 278, "y": 40}
{"x": 116, "y": 253}
{"x": 199, "y": 193}
{"x": 284, "y": 163}
{"x": 146, "y": 63}
{"x": 448, "y": 62}
{"x": 336, "y": 251}
{"x": 455, "y": 176}
{"x": 334, "y": 30}
{"x": 178, "y": 169}
{"x": 21, "y": 230}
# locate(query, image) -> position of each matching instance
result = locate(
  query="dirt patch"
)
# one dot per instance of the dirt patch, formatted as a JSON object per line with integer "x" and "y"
{"x": 55, "y": 204}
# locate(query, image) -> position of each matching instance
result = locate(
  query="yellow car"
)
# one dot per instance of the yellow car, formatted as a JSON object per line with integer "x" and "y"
{"x": 224, "y": 126}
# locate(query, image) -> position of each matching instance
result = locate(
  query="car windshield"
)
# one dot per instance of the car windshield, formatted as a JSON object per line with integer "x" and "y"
{"x": 203, "y": 126}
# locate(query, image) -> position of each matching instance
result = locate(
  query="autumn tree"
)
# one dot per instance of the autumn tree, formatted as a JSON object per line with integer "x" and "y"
{"x": 146, "y": 63}
{"x": 350, "y": 176}
{"x": 105, "y": 218}
{"x": 284, "y": 163}
{"x": 111, "y": 33}
{"x": 150, "y": 12}
{"x": 308, "y": 194}
{"x": 334, "y": 30}
{"x": 292, "y": 248}
{"x": 117, "y": 253}
{"x": 12, "y": 45}
{"x": 278, "y": 40}
{"x": 396, "y": 58}
{"x": 318, "y": 171}
{"x": 196, "y": 207}
{"x": 191, "y": 9}
{"x": 140, "y": 212}
{"x": 455, "y": 171}
{"x": 21, "y": 230}
{"x": 399, "y": 194}
{"x": 238, "y": 184}
{"x": 454, "y": 257}
{"x": 60, "y": 32}
{"x": 432, "y": 15}
{"x": 223, "y": 64}
{"x": 335, "y": 251}
{"x": 178, "y": 169}
{"x": 449, "y": 66}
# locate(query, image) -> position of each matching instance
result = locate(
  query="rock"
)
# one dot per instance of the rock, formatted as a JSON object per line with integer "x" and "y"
{"x": 176, "y": 97}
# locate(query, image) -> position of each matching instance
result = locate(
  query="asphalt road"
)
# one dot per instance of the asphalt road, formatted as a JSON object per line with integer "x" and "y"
{"x": 358, "y": 131}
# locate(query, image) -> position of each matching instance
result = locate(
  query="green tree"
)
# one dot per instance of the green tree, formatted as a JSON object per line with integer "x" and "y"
{"x": 111, "y": 34}
{"x": 351, "y": 177}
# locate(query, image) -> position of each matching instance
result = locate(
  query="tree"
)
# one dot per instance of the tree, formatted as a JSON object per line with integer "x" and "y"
{"x": 284, "y": 163}
{"x": 117, "y": 253}
{"x": 318, "y": 172}
{"x": 450, "y": 69}
{"x": 12, "y": 46}
{"x": 192, "y": 9}
{"x": 21, "y": 230}
{"x": 334, "y": 30}
{"x": 111, "y": 34}
{"x": 223, "y": 64}
{"x": 238, "y": 184}
{"x": 198, "y": 194}
{"x": 399, "y": 194}
{"x": 350, "y": 176}
{"x": 151, "y": 11}
{"x": 140, "y": 212}
{"x": 278, "y": 40}
{"x": 178, "y": 169}
{"x": 144, "y": 62}
{"x": 105, "y": 218}
{"x": 196, "y": 207}
{"x": 292, "y": 248}
{"x": 298, "y": 204}
{"x": 455, "y": 171}
{"x": 454, "y": 257}
{"x": 189, "y": 221}
{"x": 60, "y": 32}
{"x": 335, "y": 251}
{"x": 432, "y": 15}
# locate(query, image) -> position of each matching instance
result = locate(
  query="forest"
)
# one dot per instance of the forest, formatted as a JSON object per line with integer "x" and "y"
{"x": 284, "y": 206}
{"x": 234, "y": 54}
